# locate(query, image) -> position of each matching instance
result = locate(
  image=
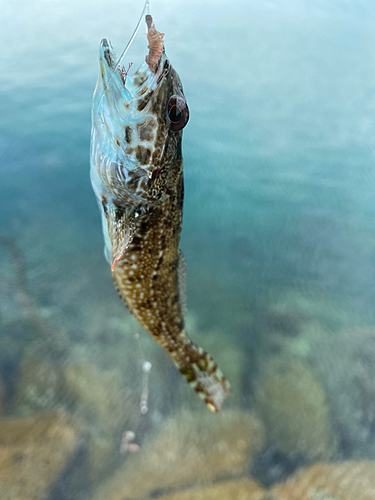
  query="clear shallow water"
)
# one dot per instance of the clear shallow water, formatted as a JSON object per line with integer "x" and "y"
{"x": 279, "y": 159}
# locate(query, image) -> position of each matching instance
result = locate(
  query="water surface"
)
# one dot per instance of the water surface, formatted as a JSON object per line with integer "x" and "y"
{"x": 279, "y": 159}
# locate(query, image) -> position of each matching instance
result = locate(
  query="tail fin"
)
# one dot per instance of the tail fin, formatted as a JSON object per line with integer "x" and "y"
{"x": 204, "y": 376}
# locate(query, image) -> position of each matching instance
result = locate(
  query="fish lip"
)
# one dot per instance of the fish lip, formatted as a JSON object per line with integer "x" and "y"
{"x": 107, "y": 54}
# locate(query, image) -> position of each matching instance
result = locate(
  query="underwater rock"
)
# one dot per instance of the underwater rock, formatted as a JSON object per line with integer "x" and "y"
{"x": 188, "y": 449}
{"x": 98, "y": 391}
{"x": 293, "y": 406}
{"x": 104, "y": 405}
{"x": 39, "y": 386}
{"x": 34, "y": 451}
{"x": 303, "y": 307}
{"x": 119, "y": 346}
{"x": 340, "y": 481}
{"x": 272, "y": 466}
{"x": 244, "y": 489}
{"x": 346, "y": 364}
{"x": 293, "y": 322}
{"x": 15, "y": 338}
{"x": 2, "y": 395}
{"x": 95, "y": 396}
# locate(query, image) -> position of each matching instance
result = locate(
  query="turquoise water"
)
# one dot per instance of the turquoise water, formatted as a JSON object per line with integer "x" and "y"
{"x": 279, "y": 159}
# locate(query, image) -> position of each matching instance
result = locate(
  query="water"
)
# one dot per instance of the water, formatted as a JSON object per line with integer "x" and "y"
{"x": 278, "y": 234}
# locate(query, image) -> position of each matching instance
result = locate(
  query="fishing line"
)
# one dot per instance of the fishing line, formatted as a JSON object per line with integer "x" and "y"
{"x": 145, "y": 11}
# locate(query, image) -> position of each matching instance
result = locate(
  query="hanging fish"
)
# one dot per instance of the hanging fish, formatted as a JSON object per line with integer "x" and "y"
{"x": 137, "y": 176}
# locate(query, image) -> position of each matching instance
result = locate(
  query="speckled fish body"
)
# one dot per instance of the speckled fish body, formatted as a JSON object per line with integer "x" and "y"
{"x": 137, "y": 176}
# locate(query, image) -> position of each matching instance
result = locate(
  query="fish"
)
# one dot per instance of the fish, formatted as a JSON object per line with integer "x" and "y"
{"x": 137, "y": 176}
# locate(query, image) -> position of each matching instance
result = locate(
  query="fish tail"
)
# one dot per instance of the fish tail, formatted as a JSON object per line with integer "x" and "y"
{"x": 204, "y": 376}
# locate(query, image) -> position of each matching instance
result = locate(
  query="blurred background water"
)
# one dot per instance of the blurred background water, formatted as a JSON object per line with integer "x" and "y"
{"x": 278, "y": 234}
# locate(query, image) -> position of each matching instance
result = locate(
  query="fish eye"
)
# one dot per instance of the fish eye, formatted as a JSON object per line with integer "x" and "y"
{"x": 177, "y": 113}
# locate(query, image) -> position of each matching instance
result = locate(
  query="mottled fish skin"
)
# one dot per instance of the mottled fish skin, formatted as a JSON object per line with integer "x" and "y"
{"x": 137, "y": 175}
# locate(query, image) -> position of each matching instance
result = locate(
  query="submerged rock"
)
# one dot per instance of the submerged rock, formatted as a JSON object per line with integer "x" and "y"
{"x": 188, "y": 449}
{"x": 302, "y": 308}
{"x": 34, "y": 451}
{"x": 295, "y": 321}
{"x": 346, "y": 364}
{"x": 98, "y": 391}
{"x": 273, "y": 466}
{"x": 343, "y": 481}
{"x": 39, "y": 386}
{"x": 100, "y": 398}
{"x": 244, "y": 489}
{"x": 2, "y": 396}
{"x": 293, "y": 406}
{"x": 104, "y": 405}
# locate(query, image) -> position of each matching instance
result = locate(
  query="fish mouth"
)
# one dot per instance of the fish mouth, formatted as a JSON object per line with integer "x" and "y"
{"x": 121, "y": 101}
{"x": 115, "y": 79}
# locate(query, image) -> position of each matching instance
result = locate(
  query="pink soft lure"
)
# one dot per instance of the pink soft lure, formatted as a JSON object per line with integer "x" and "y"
{"x": 155, "y": 44}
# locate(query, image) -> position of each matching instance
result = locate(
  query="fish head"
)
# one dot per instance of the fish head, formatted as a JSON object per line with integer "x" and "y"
{"x": 137, "y": 124}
